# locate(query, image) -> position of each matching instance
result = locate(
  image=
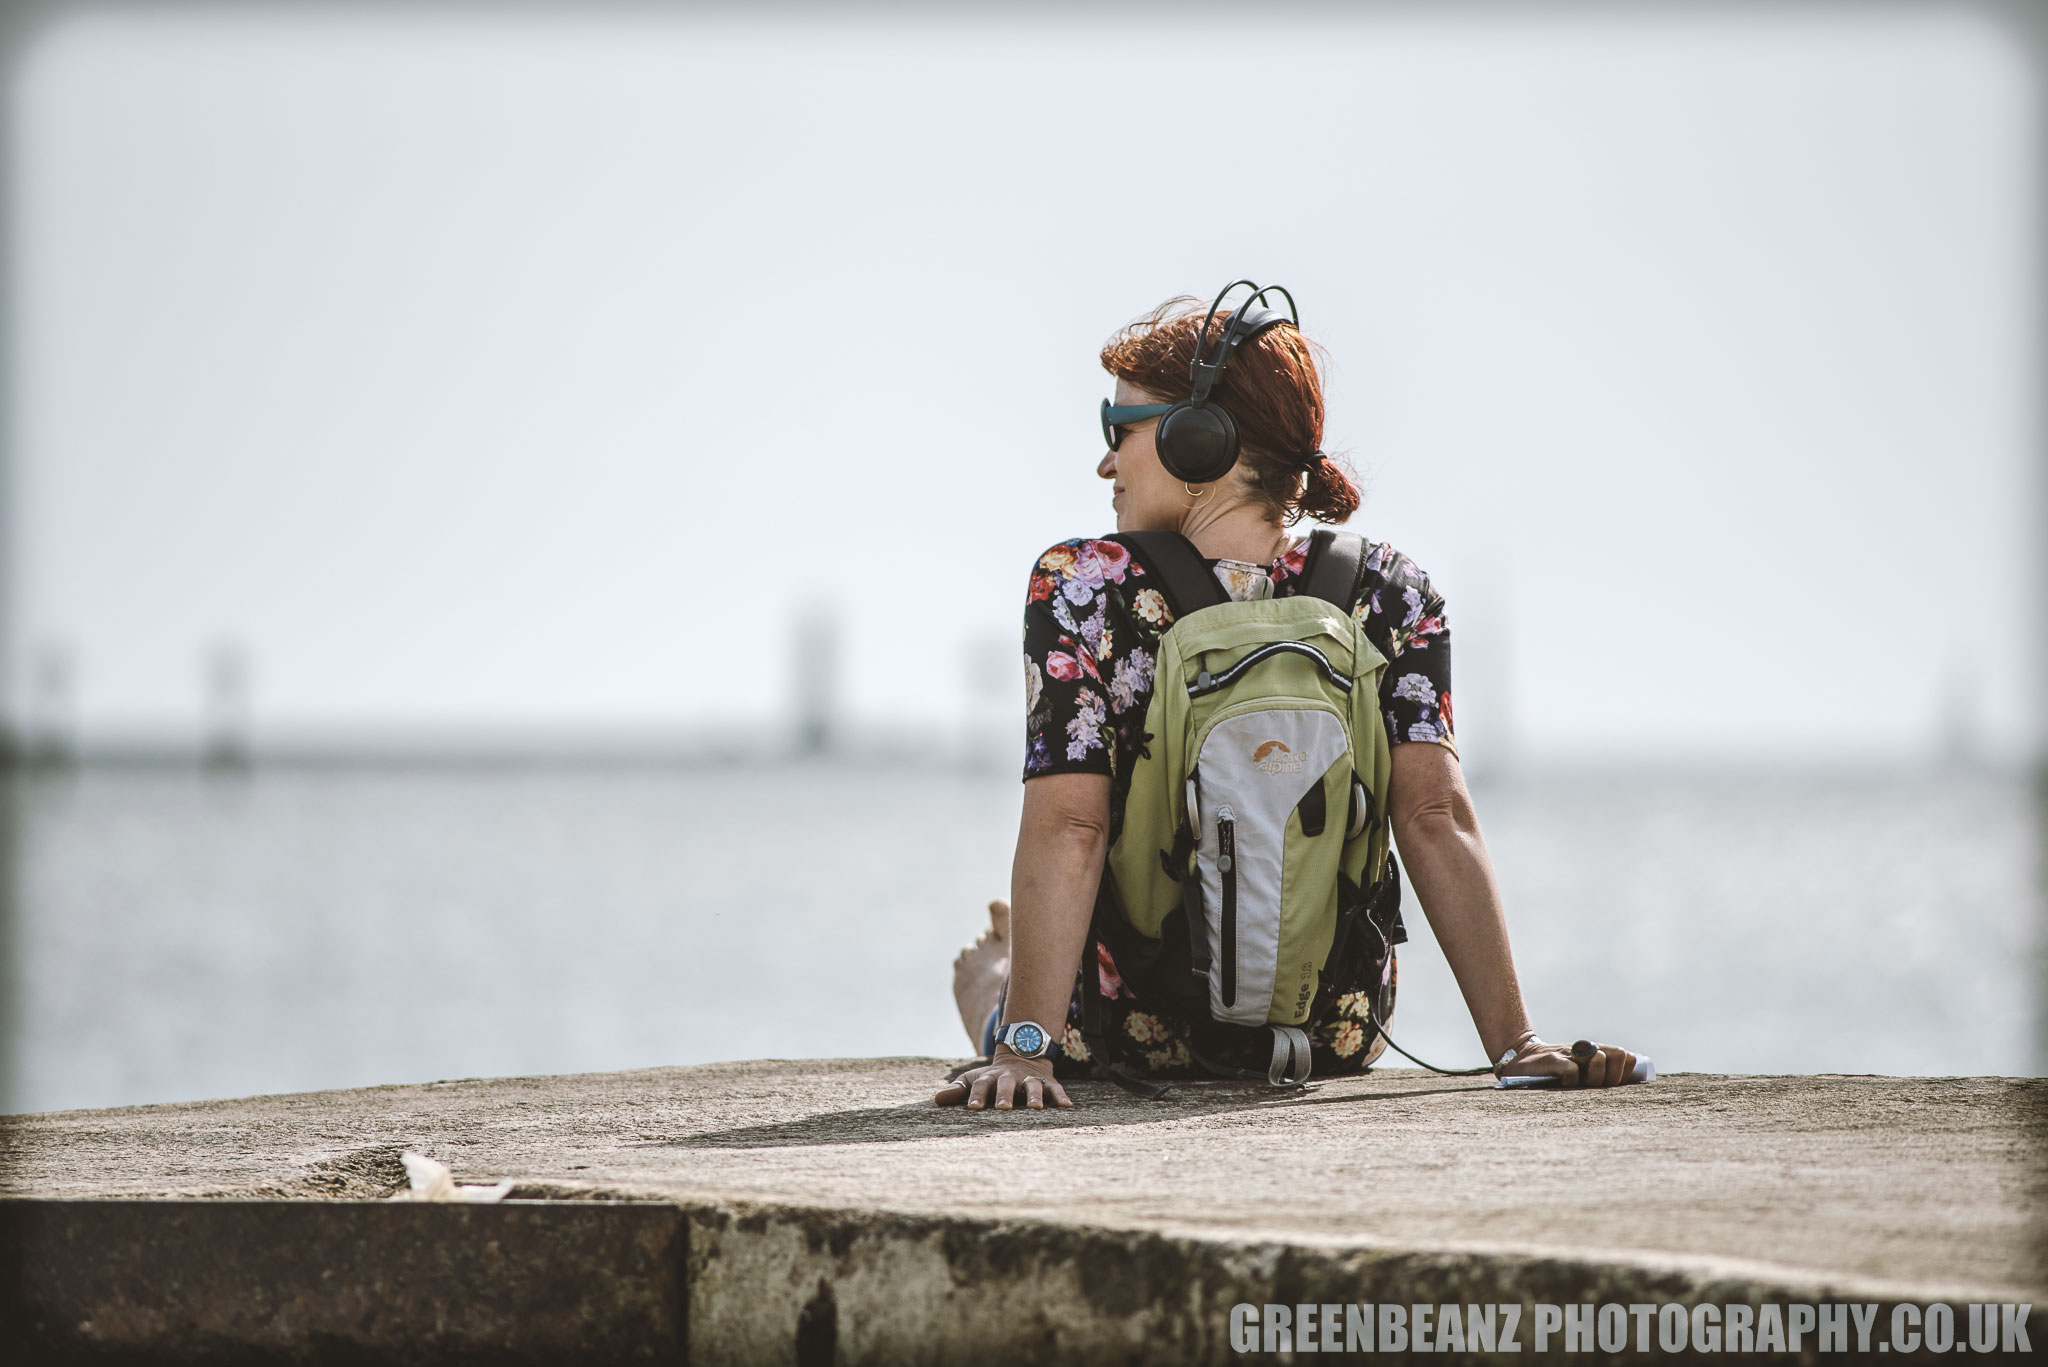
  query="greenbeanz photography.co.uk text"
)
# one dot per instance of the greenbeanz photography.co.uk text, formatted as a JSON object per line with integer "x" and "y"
{"x": 1846, "y": 1327}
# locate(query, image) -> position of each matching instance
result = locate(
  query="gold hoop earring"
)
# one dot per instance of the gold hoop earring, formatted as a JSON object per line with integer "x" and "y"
{"x": 1193, "y": 493}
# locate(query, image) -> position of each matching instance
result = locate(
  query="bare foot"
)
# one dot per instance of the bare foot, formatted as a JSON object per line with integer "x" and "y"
{"x": 979, "y": 972}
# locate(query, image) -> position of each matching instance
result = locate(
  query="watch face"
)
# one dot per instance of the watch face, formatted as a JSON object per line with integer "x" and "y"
{"x": 1028, "y": 1040}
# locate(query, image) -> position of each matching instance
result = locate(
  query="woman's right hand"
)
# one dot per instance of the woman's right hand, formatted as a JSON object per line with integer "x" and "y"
{"x": 1607, "y": 1066}
{"x": 994, "y": 1084}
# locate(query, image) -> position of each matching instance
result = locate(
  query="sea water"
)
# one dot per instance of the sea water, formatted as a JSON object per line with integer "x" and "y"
{"x": 179, "y": 934}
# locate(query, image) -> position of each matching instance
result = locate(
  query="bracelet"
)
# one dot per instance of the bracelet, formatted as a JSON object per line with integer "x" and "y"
{"x": 1514, "y": 1051}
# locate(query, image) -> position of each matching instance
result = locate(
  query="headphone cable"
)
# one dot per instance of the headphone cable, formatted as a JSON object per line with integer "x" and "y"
{"x": 1447, "y": 1072}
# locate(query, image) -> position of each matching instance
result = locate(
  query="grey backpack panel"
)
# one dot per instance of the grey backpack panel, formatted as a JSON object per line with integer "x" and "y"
{"x": 1253, "y": 770}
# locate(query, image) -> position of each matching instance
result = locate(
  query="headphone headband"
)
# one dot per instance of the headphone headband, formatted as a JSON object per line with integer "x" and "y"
{"x": 1247, "y": 320}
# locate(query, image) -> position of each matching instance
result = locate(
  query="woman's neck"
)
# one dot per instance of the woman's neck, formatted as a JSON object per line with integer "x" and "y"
{"x": 1243, "y": 532}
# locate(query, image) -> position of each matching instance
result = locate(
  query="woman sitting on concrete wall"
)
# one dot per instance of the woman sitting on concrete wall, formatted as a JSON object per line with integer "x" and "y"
{"x": 1094, "y": 622}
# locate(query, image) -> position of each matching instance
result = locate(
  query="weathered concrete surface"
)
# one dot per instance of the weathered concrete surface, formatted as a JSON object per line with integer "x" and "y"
{"x": 1921, "y": 1183}
{"x": 832, "y": 1199}
{"x": 178, "y": 1281}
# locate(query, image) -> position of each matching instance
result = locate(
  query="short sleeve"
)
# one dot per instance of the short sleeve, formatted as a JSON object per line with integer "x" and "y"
{"x": 1067, "y": 635}
{"x": 1403, "y": 615}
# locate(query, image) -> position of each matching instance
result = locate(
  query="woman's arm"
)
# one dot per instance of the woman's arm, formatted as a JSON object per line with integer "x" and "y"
{"x": 1061, "y": 843}
{"x": 1446, "y": 860}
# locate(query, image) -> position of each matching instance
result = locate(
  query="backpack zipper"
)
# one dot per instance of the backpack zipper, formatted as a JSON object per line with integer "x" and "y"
{"x": 1226, "y": 864}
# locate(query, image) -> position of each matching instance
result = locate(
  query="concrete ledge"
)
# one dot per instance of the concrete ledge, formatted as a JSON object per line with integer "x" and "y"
{"x": 826, "y": 1212}
{"x": 519, "y": 1283}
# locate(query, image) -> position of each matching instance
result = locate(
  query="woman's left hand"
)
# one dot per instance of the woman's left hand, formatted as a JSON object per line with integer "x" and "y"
{"x": 993, "y": 1085}
{"x": 1609, "y": 1065}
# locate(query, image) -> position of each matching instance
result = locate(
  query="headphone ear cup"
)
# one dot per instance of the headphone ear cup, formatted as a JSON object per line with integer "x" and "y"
{"x": 1196, "y": 445}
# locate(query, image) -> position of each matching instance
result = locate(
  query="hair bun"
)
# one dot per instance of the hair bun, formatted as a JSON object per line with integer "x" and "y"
{"x": 1328, "y": 495}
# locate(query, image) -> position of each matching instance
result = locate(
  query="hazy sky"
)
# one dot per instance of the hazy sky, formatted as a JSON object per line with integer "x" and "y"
{"x": 493, "y": 372}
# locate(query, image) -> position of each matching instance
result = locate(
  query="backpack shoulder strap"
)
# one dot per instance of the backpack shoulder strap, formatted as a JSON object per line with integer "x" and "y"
{"x": 1182, "y": 573}
{"x": 1331, "y": 572}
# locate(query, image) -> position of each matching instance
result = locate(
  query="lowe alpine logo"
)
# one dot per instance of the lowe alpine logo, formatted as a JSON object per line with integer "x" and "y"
{"x": 1275, "y": 758}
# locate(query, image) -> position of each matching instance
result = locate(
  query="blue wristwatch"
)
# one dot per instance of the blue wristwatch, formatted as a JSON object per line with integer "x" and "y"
{"x": 1027, "y": 1039}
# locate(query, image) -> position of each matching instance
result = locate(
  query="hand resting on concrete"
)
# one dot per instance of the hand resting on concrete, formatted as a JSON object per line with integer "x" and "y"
{"x": 1608, "y": 1067}
{"x": 1027, "y": 1080}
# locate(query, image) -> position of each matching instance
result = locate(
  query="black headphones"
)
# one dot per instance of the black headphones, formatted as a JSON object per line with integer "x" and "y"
{"x": 1196, "y": 439}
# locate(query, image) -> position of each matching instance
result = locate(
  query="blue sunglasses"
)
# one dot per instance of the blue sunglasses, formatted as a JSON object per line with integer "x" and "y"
{"x": 1115, "y": 417}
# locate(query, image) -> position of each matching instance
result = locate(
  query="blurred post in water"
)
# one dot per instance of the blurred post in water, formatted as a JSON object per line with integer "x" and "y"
{"x": 49, "y": 735}
{"x": 817, "y": 664}
{"x": 226, "y": 740}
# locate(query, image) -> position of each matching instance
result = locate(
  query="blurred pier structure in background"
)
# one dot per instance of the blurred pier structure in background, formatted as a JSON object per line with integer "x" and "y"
{"x": 227, "y": 744}
{"x": 49, "y": 733}
{"x": 816, "y": 681}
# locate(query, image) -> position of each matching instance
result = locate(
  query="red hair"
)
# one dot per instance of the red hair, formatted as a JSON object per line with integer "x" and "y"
{"x": 1273, "y": 390}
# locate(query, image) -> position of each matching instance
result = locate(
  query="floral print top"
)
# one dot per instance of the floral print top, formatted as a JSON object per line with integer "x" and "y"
{"x": 1091, "y": 633}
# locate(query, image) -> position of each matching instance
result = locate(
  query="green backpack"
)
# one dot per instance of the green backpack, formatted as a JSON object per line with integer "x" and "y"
{"x": 1253, "y": 854}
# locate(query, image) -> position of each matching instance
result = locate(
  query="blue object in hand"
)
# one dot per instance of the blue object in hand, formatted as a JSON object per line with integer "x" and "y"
{"x": 1644, "y": 1071}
